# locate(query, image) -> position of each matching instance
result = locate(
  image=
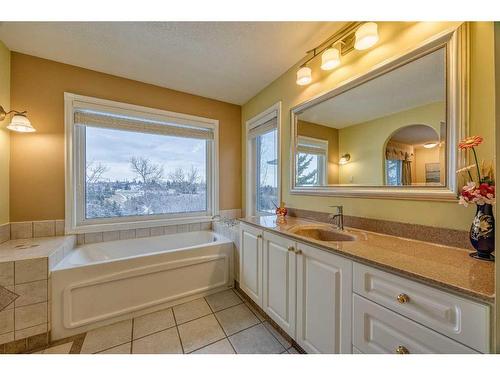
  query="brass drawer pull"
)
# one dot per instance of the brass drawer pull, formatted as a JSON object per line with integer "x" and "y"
{"x": 402, "y": 350}
{"x": 298, "y": 251}
{"x": 259, "y": 236}
{"x": 403, "y": 298}
{"x": 291, "y": 248}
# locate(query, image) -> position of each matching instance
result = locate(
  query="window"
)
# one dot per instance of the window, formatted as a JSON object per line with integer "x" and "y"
{"x": 311, "y": 161}
{"x": 263, "y": 163}
{"x": 130, "y": 164}
{"x": 394, "y": 172}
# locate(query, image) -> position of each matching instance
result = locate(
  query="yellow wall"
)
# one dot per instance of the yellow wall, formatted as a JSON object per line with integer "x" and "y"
{"x": 366, "y": 142}
{"x": 309, "y": 129}
{"x": 37, "y": 160}
{"x": 497, "y": 144}
{"x": 4, "y": 133}
{"x": 395, "y": 38}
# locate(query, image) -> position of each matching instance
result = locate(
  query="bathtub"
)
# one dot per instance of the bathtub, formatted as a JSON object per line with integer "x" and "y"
{"x": 99, "y": 284}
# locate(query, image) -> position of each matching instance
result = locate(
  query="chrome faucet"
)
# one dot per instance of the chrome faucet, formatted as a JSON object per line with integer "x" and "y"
{"x": 338, "y": 217}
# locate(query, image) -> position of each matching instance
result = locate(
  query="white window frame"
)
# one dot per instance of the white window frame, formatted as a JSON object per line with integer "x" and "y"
{"x": 323, "y": 145}
{"x": 75, "y": 221}
{"x": 251, "y": 168}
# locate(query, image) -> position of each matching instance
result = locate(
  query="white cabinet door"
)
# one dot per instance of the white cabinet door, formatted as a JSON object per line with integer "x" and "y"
{"x": 324, "y": 301}
{"x": 251, "y": 262}
{"x": 379, "y": 330}
{"x": 279, "y": 281}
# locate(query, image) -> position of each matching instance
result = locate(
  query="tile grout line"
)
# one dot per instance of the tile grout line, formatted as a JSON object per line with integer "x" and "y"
{"x": 177, "y": 329}
{"x": 220, "y": 325}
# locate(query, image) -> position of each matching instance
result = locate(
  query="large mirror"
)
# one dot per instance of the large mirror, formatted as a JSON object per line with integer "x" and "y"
{"x": 390, "y": 132}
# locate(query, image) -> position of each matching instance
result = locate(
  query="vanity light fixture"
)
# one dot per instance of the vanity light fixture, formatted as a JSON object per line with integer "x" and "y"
{"x": 19, "y": 122}
{"x": 304, "y": 76}
{"x": 330, "y": 59}
{"x": 430, "y": 144}
{"x": 344, "y": 159}
{"x": 355, "y": 36}
{"x": 366, "y": 36}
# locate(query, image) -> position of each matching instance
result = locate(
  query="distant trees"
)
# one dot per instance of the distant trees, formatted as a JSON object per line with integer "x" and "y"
{"x": 149, "y": 193}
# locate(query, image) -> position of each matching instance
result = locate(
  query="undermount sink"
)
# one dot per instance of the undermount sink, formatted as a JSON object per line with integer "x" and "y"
{"x": 321, "y": 233}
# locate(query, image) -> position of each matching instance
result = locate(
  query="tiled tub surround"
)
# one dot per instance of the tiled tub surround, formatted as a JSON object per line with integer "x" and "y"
{"x": 446, "y": 267}
{"x": 229, "y": 228}
{"x": 24, "y": 270}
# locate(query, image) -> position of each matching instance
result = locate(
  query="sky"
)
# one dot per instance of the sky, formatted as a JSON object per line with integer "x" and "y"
{"x": 114, "y": 148}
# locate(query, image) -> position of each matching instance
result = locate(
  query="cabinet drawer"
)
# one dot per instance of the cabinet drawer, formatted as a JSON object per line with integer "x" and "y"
{"x": 379, "y": 330}
{"x": 465, "y": 321}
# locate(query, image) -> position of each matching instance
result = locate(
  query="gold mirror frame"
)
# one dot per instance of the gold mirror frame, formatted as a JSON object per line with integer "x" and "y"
{"x": 456, "y": 43}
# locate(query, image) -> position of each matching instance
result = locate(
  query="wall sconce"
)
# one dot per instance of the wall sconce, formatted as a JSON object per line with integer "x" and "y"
{"x": 355, "y": 36}
{"x": 19, "y": 122}
{"x": 344, "y": 159}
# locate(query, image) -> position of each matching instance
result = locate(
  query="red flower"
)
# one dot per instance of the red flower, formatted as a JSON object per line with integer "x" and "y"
{"x": 470, "y": 142}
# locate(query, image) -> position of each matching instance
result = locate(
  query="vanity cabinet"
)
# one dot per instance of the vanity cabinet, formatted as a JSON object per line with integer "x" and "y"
{"x": 324, "y": 292}
{"x": 460, "y": 319}
{"x": 305, "y": 290}
{"x": 380, "y": 330}
{"x": 330, "y": 304}
{"x": 279, "y": 280}
{"x": 251, "y": 262}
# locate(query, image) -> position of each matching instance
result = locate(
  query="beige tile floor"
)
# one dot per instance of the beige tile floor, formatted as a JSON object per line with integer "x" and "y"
{"x": 220, "y": 323}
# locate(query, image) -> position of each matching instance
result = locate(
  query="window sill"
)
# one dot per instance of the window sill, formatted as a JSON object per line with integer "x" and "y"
{"x": 105, "y": 227}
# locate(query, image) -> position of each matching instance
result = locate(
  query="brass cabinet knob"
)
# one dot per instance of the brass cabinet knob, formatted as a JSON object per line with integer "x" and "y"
{"x": 291, "y": 248}
{"x": 403, "y": 298}
{"x": 259, "y": 236}
{"x": 298, "y": 251}
{"x": 402, "y": 350}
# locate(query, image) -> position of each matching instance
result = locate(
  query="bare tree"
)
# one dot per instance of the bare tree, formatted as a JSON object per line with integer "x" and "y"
{"x": 146, "y": 170}
{"x": 177, "y": 176}
{"x": 193, "y": 176}
{"x": 95, "y": 171}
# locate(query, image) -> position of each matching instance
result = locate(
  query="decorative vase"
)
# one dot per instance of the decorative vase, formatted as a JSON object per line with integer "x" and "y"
{"x": 482, "y": 233}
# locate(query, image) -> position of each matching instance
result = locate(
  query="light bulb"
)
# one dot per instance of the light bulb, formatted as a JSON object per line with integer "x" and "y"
{"x": 430, "y": 144}
{"x": 366, "y": 36}
{"x": 304, "y": 76}
{"x": 330, "y": 59}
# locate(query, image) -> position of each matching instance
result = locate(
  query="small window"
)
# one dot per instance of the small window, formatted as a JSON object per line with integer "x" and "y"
{"x": 130, "y": 166}
{"x": 311, "y": 161}
{"x": 394, "y": 172}
{"x": 263, "y": 163}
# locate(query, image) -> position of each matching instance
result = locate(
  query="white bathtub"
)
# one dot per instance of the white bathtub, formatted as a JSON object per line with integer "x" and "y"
{"x": 101, "y": 283}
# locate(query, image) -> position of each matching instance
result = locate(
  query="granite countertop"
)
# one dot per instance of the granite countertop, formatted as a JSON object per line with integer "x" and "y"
{"x": 449, "y": 268}
{"x": 31, "y": 248}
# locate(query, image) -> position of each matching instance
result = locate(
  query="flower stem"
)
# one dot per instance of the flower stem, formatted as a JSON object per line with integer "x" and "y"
{"x": 477, "y": 164}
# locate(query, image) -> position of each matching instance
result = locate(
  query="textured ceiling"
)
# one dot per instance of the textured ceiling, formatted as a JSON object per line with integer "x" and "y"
{"x": 412, "y": 85}
{"x": 229, "y": 61}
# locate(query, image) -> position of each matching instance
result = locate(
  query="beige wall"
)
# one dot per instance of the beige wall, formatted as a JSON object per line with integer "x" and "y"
{"x": 309, "y": 129}
{"x": 422, "y": 157}
{"x": 4, "y": 133}
{"x": 37, "y": 160}
{"x": 366, "y": 142}
{"x": 395, "y": 38}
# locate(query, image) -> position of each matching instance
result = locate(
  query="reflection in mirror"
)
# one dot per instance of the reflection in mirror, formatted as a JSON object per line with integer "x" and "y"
{"x": 388, "y": 131}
